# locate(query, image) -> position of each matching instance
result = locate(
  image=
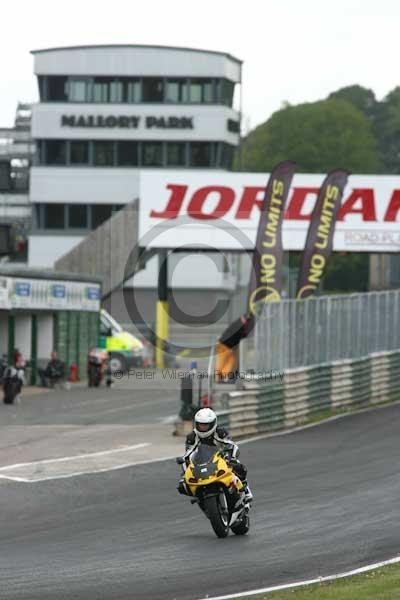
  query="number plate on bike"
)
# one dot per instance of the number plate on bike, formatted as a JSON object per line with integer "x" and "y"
{"x": 204, "y": 471}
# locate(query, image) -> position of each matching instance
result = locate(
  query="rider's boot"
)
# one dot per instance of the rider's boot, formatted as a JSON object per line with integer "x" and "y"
{"x": 247, "y": 492}
{"x": 182, "y": 489}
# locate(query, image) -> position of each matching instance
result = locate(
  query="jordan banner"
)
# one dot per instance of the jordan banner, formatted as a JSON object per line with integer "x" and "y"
{"x": 319, "y": 241}
{"x": 266, "y": 273}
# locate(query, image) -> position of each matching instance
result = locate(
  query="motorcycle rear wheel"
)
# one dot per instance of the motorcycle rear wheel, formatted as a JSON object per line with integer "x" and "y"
{"x": 218, "y": 522}
{"x": 10, "y": 393}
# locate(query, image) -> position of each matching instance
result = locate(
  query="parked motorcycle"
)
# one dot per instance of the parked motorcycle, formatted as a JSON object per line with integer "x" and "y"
{"x": 3, "y": 366}
{"x": 12, "y": 383}
{"x": 98, "y": 368}
{"x": 211, "y": 483}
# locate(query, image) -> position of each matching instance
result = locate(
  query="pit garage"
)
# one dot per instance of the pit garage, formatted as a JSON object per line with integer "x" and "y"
{"x": 41, "y": 311}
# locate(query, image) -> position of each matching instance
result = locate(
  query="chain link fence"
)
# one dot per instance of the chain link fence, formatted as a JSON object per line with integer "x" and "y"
{"x": 297, "y": 333}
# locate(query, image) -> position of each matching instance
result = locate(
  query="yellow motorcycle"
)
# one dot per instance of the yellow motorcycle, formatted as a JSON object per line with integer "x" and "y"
{"x": 212, "y": 484}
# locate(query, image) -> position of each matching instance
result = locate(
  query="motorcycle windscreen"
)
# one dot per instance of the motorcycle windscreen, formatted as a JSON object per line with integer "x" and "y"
{"x": 202, "y": 459}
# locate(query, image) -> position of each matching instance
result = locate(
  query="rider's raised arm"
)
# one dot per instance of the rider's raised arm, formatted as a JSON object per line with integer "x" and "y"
{"x": 222, "y": 437}
{"x": 190, "y": 441}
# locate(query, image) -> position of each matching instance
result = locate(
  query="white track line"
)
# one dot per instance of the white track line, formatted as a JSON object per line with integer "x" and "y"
{"x": 71, "y": 458}
{"x": 78, "y": 474}
{"x": 288, "y": 586}
{"x": 17, "y": 479}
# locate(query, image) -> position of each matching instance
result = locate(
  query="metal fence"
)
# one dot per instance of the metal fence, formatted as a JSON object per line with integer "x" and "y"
{"x": 296, "y": 333}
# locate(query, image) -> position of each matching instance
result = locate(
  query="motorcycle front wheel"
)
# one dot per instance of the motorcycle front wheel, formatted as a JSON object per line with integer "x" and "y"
{"x": 10, "y": 392}
{"x": 219, "y": 520}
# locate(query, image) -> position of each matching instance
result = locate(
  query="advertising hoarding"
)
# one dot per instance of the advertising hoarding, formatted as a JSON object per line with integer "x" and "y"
{"x": 221, "y": 210}
{"x": 45, "y": 294}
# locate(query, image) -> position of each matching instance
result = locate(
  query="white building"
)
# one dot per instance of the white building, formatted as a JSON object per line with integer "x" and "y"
{"x": 105, "y": 113}
{"x": 17, "y": 152}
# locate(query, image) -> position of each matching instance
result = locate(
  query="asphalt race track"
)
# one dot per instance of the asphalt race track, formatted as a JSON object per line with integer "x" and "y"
{"x": 97, "y": 406}
{"x": 327, "y": 499}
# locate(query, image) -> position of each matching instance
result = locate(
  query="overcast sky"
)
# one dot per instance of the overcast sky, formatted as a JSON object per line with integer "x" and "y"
{"x": 293, "y": 50}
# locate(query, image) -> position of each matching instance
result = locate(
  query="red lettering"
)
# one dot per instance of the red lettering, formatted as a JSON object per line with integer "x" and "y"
{"x": 174, "y": 203}
{"x": 394, "y": 207}
{"x": 296, "y": 203}
{"x": 367, "y": 208}
{"x": 225, "y": 201}
{"x": 251, "y": 197}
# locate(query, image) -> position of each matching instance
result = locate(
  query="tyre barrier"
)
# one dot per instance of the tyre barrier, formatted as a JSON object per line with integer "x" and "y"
{"x": 311, "y": 391}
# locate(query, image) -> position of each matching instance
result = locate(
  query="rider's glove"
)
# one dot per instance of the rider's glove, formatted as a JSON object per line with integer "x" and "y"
{"x": 181, "y": 488}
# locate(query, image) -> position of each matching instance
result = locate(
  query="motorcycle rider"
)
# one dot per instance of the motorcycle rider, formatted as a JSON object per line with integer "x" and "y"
{"x": 13, "y": 380}
{"x": 3, "y": 366}
{"x": 207, "y": 431}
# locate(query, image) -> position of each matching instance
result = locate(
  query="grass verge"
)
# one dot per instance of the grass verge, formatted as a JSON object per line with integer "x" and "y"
{"x": 380, "y": 584}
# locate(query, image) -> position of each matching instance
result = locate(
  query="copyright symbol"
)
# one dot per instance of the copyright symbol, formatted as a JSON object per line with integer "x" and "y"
{"x": 118, "y": 374}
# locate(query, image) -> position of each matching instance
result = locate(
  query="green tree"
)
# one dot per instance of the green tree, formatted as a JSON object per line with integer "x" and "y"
{"x": 387, "y": 130}
{"x": 385, "y": 120}
{"x": 347, "y": 272}
{"x": 360, "y": 97}
{"x": 319, "y": 136}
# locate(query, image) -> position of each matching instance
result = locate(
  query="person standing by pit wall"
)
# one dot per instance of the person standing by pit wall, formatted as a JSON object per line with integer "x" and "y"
{"x": 227, "y": 348}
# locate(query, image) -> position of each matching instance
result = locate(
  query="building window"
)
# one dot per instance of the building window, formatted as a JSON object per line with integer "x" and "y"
{"x": 5, "y": 177}
{"x": 77, "y": 216}
{"x": 79, "y": 152}
{"x": 73, "y": 216}
{"x": 195, "y": 90}
{"x": 176, "y": 90}
{"x": 131, "y": 90}
{"x": 200, "y": 154}
{"x": 103, "y": 154}
{"x": 101, "y": 89}
{"x": 176, "y": 154}
{"x": 127, "y": 154}
{"x": 100, "y": 214}
{"x": 152, "y": 89}
{"x": 116, "y": 91}
{"x": 37, "y": 216}
{"x": 78, "y": 90}
{"x": 56, "y": 152}
{"x": 42, "y": 87}
{"x": 233, "y": 126}
{"x": 56, "y": 89}
{"x": 227, "y": 156}
{"x": 201, "y": 91}
{"x": 227, "y": 89}
{"x": 54, "y": 216}
{"x": 39, "y": 158}
{"x": 208, "y": 91}
{"x": 152, "y": 154}
{"x": 105, "y": 89}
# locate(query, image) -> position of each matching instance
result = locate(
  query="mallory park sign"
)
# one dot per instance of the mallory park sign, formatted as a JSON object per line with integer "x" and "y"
{"x": 126, "y": 122}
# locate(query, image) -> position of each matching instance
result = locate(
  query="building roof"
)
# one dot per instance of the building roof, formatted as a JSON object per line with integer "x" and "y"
{"x": 107, "y": 46}
{"x": 10, "y": 270}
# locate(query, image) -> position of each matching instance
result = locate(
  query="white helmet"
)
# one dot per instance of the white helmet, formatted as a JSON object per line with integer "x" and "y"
{"x": 205, "y": 422}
